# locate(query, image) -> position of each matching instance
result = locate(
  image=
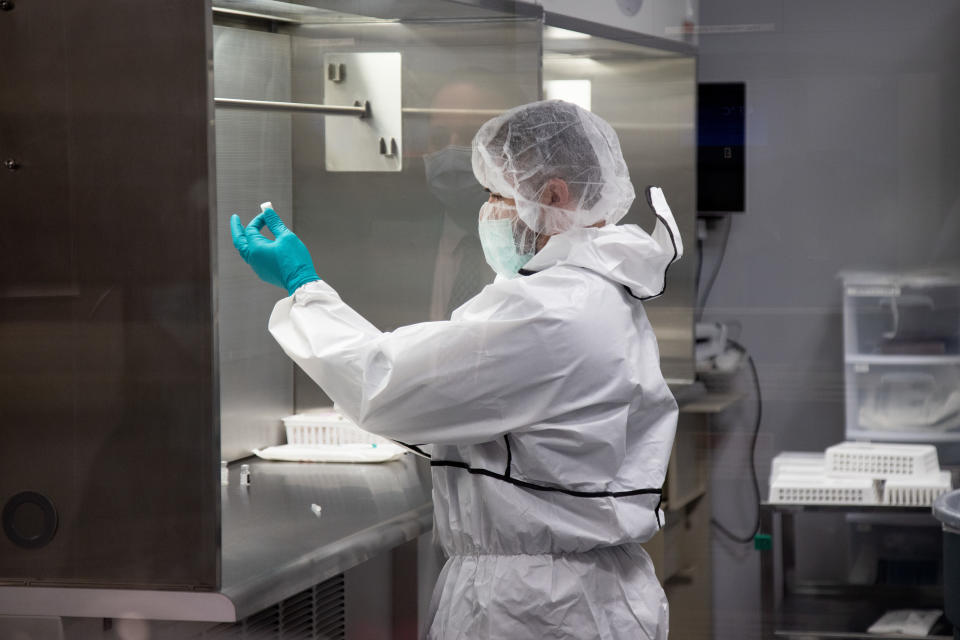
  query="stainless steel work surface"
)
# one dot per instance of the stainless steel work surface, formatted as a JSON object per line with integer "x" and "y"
{"x": 273, "y": 544}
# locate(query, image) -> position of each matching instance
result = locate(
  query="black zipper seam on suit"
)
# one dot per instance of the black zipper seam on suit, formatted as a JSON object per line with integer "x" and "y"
{"x": 505, "y": 477}
{"x": 540, "y": 487}
{"x": 570, "y": 492}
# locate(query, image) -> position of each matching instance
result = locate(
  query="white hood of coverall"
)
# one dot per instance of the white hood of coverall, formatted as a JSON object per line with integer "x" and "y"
{"x": 625, "y": 254}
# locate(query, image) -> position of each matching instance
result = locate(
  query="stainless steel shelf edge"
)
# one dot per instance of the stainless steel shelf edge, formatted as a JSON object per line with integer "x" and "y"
{"x": 685, "y": 392}
{"x": 840, "y": 635}
{"x": 569, "y": 23}
{"x": 845, "y": 508}
{"x": 508, "y": 7}
{"x": 255, "y": 15}
{"x": 234, "y": 602}
{"x": 117, "y": 603}
{"x": 259, "y": 592}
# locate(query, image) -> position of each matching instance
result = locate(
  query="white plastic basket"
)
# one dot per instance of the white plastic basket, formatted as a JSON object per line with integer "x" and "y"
{"x": 810, "y": 489}
{"x": 880, "y": 460}
{"x": 326, "y": 427}
{"x": 916, "y": 491}
{"x": 799, "y": 463}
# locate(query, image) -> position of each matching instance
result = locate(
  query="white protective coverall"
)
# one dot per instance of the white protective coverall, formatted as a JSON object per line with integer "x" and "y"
{"x": 551, "y": 427}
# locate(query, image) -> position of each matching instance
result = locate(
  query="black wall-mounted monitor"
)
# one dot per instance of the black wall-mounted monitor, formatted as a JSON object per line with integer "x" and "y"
{"x": 721, "y": 130}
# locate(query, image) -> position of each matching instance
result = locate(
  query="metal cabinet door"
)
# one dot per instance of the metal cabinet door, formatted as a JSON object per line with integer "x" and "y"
{"x": 107, "y": 342}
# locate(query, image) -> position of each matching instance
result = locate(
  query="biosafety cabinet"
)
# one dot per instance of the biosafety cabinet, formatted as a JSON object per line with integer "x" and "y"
{"x": 133, "y": 347}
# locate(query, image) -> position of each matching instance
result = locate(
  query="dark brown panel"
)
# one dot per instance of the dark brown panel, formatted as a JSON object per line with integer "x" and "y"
{"x": 107, "y": 381}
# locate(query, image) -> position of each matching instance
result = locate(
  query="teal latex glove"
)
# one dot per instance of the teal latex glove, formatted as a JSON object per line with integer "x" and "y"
{"x": 284, "y": 261}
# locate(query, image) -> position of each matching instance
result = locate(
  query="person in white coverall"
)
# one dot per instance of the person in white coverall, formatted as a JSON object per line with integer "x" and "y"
{"x": 550, "y": 422}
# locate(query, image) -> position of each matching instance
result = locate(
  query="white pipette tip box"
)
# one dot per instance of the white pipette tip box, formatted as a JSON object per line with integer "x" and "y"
{"x": 916, "y": 491}
{"x": 882, "y": 460}
{"x": 860, "y": 473}
{"x": 788, "y": 488}
{"x": 326, "y": 427}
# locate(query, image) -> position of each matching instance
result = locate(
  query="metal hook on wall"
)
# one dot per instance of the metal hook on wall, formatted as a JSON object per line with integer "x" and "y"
{"x": 392, "y": 150}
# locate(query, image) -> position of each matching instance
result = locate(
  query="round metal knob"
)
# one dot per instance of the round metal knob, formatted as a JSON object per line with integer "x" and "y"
{"x": 10, "y": 163}
{"x": 30, "y": 520}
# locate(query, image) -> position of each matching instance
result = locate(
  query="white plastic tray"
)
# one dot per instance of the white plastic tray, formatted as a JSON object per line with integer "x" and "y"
{"x": 880, "y": 460}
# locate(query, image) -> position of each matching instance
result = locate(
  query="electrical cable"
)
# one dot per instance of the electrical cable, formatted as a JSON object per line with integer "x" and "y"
{"x": 716, "y": 270}
{"x": 753, "y": 451}
{"x": 696, "y": 285}
{"x": 756, "y": 382}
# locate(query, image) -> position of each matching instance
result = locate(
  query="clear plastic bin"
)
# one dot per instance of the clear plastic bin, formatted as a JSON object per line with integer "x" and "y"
{"x": 915, "y": 400}
{"x": 915, "y": 314}
{"x": 902, "y": 353}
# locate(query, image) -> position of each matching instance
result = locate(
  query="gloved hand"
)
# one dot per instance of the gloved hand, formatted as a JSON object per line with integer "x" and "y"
{"x": 284, "y": 262}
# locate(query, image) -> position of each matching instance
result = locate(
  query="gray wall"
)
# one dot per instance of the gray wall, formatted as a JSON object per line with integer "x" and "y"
{"x": 852, "y": 160}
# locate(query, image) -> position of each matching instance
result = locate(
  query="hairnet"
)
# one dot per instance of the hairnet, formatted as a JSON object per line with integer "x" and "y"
{"x": 517, "y": 153}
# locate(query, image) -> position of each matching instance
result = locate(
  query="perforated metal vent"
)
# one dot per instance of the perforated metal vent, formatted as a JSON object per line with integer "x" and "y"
{"x": 317, "y": 613}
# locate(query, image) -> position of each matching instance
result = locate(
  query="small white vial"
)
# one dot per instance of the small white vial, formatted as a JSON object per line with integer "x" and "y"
{"x": 224, "y": 474}
{"x": 245, "y": 475}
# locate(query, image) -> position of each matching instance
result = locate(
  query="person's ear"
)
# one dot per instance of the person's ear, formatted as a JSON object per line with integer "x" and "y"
{"x": 555, "y": 193}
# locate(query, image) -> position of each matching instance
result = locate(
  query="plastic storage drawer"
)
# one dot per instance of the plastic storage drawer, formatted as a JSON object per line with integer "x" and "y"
{"x": 911, "y": 399}
{"x": 900, "y": 317}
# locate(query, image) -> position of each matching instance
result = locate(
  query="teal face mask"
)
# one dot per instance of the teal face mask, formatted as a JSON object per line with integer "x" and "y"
{"x": 500, "y": 247}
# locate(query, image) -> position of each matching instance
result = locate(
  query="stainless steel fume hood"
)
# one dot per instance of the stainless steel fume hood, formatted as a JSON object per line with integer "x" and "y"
{"x": 133, "y": 344}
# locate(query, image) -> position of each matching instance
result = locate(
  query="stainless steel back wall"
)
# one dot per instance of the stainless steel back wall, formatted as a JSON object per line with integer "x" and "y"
{"x": 254, "y": 164}
{"x": 378, "y": 237}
